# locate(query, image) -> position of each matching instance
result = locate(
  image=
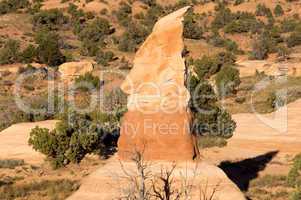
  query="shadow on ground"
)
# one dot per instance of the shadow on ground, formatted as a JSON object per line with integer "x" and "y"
{"x": 242, "y": 172}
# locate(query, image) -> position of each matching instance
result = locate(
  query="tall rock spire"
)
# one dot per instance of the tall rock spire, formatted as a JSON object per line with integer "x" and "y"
{"x": 157, "y": 123}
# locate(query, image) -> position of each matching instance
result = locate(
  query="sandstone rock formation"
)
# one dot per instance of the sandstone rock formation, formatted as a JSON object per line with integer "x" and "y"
{"x": 157, "y": 79}
{"x": 14, "y": 142}
{"x": 157, "y": 122}
{"x": 112, "y": 181}
{"x": 70, "y": 70}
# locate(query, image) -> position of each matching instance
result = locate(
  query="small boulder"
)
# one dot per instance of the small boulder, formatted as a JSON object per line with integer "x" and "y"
{"x": 71, "y": 70}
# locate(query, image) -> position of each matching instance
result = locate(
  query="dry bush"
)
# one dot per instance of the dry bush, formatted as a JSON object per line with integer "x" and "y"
{"x": 148, "y": 185}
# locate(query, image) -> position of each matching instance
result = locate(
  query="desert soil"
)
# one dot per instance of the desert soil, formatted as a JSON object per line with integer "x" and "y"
{"x": 262, "y": 134}
{"x": 253, "y": 138}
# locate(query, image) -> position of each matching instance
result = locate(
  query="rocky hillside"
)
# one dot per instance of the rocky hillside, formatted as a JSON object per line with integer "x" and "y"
{"x": 255, "y": 38}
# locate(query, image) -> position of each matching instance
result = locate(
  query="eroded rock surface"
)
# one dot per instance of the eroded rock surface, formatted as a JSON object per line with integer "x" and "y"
{"x": 71, "y": 70}
{"x": 158, "y": 121}
{"x": 14, "y": 142}
{"x": 156, "y": 82}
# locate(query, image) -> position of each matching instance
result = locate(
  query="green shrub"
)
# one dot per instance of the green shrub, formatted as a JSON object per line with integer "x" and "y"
{"x": 104, "y": 58}
{"x": 191, "y": 28}
{"x": 202, "y": 94}
{"x": 10, "y": 52}
{"x": 29, "y": 54}
{"x": 225, "y": 58}
{"x": 75, "y": 13}
{"x": 262, "y": 10}
{"x": 260, "y": 49}
{"x": 283, "y": 52}
{"x": 93, "y": 35}
{"x": 149, "y": 2}
{"x": 294, "y": 176}
{"x": 35, "y": 7}
{"x": 278, "y": 11}
{"x": 270, "y": 181}
{"x": 237, "y": 2}
{"x": 289, "y": 25}
{"x": 132, "y": 38}
{"x": 53, "y": 189}
{"x": 87, "y": 78}
{"x": 214, "y": 122}
{"x": 74, "y": 137}
{"x": 231, "y": 46}
{"x": 296, "y": 195}
{"x": 96, "y": 30}
{"x": 11, "y": 164}
{"x": 227, "y": 80}
{"x": 48, "y": 50}
{"x": 124, "y": 14}
{"x": 223, "y": 16}
{"x": 294, "y": 39}
{"x": 115, "y": 102}
{"x": 211, "y": 141}
{"x": 7, "y": 6}
{"x": 206, "y": 66}
{"x": 208, "y": 118}
{"x": 49, "y": 19}
{"x": 241, "y": 26}
{"x": 152, "y": 15}
{"x": 90, "y": 48}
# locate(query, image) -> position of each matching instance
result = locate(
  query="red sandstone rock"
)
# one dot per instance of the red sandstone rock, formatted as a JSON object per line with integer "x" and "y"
{"x": 159, "y": 136}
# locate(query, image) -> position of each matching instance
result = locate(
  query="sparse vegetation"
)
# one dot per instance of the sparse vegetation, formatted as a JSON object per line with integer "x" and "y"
{"x": 93, "y": 36}
{"x": 10, "y": 52}
{"x": 132, "y": 38}
{"x": 49, "y": 19}
{"x": 7, "y": 6}
{"x": 191, "y": 28}
{"x": 104, "y": 58}
{"x": 48, "y": 49}
{"x": 74, "y": 137}
{"x": 294, "y": 176}
{"x": 211, "y": 141}
{"x": 54, "y": 189}
{"x": 227, "y": 80}
{"x": 288, "y": 187}
{"x": 87, "y": 81}
{"x": 11, "y": 164}
{"x": 294, "y": 39}
{"x": 278, "y": 11}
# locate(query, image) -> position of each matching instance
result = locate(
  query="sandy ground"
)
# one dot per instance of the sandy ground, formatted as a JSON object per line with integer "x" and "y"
{"x": 257, "y": 135}
{"x": 14, "y": 142}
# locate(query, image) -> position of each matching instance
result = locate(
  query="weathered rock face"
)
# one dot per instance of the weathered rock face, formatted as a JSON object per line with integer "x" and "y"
{"x": 70, "y": 70}
{"x": 158, "y": 120}
{"x": 156, "y": 82}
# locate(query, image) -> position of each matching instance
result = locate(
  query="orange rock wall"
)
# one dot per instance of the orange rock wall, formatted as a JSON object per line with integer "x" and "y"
{"x": 159, "y": 136}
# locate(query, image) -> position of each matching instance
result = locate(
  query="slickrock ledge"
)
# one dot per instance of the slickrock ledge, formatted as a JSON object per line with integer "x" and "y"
{"x": 110, "y": 181}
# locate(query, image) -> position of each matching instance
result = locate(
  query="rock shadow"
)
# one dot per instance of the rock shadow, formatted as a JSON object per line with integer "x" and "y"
{"x": 242, "y": 172}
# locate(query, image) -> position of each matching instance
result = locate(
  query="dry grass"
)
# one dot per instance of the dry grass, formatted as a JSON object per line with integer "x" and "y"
{"x": 258, "y": 100}
{"x": 46, "y": 189}
{"x": 211, "y": 141}
{"x": 10, "y": 163}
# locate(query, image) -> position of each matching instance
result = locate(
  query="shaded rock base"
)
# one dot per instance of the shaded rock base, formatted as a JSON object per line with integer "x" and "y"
{"x": 159, "y": 136}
